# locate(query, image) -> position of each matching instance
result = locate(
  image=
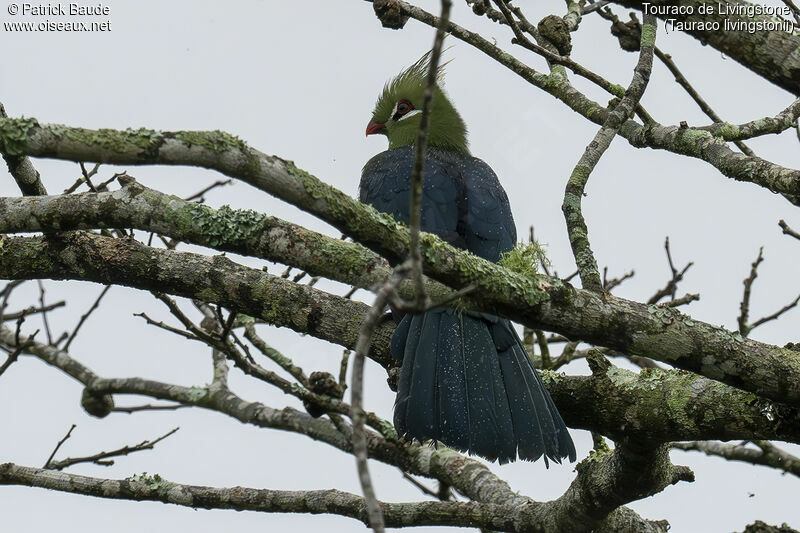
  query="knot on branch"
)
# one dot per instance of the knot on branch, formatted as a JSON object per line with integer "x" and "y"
{"x": 393, "y": 377}
{"x": 480, "y": 8}
{"x": 555, "y": 30}
{"x": 324, "y": 384}
{"x": 390, "y": 13}
{"x": 629, "y": 34}
{"x": 598, "y": 363}
{"x": 682, "y": 473}
{"x": 99, "y": 405}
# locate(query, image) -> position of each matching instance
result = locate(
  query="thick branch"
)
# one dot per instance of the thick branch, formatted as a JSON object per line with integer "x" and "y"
{"x": 661, "y": 405}
{"x": 217, "y": 280}
{"x": 623, "y": 400}
{"x": 772, "y": 54}
{"x": 22, "y": 170}
{"x": 155, "y": 488}
{"x": 541, "y": 303}
{"x": 609, "y": 479}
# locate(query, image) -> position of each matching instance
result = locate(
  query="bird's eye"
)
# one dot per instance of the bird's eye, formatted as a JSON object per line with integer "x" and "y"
{"x": 403, "y": 107}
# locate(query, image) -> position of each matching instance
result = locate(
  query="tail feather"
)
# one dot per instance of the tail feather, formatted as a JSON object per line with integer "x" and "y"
{"x": 467, "y": 381}
{"x": 404, "y": 343}
{"x": 491, "y": 432}
{"x": 523, "y": 410}
{"x": 422, "y": 417}
{"x": 536, "y": 395}
{"x": 451, "y": 381}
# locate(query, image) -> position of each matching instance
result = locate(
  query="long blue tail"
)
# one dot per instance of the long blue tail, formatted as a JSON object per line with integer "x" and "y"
{"x": 468, "y": 382}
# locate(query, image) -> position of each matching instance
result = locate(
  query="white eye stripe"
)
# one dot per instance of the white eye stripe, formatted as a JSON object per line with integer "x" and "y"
{"x": 410, "y": 114}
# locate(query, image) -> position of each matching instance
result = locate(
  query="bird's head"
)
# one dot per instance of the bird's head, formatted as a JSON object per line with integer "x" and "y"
{"x": 399, "y": 108}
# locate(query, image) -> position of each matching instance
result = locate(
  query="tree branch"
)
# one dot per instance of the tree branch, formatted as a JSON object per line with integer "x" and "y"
{"x": 692, "y": 142}
{"x": 764, "y": 454}
{"x": 769, "y": 53}
{"x": 573, "y": 194}
{"x": 542, "y": 303}
{"x": 155, "y": 488}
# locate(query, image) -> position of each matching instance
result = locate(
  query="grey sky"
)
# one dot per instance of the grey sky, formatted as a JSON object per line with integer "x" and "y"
{"x": 299, "y": 79}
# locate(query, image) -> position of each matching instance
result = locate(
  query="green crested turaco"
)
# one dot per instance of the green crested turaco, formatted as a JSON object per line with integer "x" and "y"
{"x": 466, "y": 379}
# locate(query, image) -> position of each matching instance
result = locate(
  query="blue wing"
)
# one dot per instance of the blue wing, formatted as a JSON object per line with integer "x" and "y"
{"x": 463, "y": 201}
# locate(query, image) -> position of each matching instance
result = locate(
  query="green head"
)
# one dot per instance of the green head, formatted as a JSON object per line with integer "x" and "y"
{"x": 399, "y": 109}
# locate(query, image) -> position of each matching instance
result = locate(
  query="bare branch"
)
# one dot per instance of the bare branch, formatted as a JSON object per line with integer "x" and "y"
{"x": 776, "y": 314}
{"x": 368, "y": 327}
{"x": 148, "y": 407}
{"x": 787, "y": 230}
{"x": 44, "y": 315}
{"x": 765, "y": 453}
{"x": 282, "y": 360}
{"x": 672, "y": 285}
{"x": 613, "y": 283}
{"x": 744, "y": 307}
{"x": 574, "y": 191}
{"x": 500, "y": 291}
{"x": 200, "y": 195}
{"x": 415, "y": 208}
{"x": 102, "y": 458}
{"x": 7, "y": 317}
{"x": 155, "y": 488}
{"x": 683, "y": 300}
{"x": 59, "y": 444}
{"x": 86, "y": 315}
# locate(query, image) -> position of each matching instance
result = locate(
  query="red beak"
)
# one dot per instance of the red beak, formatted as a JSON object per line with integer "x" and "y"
{"x": 374, "y": 127}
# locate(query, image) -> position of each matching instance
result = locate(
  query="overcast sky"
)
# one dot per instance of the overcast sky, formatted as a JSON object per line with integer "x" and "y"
{"x": 299, "y": 80}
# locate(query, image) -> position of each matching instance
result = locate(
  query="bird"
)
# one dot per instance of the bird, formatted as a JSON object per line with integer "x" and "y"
{"x": 466, "y": 380}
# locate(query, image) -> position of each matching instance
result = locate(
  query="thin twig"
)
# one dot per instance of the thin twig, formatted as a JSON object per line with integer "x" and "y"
{"x": 44, "y": 315}
{"x": 94, "y": 306}
{"x": 148, "y": 407}
{"x": 787, "y": 230}
{"x": 282, "y": 360}
{"x": 438, "y": 494}
{"x": 766, "y": 453}
{"x": 683, "y": 300}
{"x": 102, "y": 458}
{"x": 199, "y": 195}
{"x": 72, "y": 188}
{"x": 60, "y": 443}
{"x": 776, "y": 314}
{"x": 86, "y": 177}
{"x": 169, "y": 328}
{"x": 368, "y": 327}
{"x": 744, "y": 306}
{"x": 613, "y": 283}
{"x": 19, "y": 345}
{"x": 12, "y": 358}
{"x": 702, "y": 104}
{"x": 677, "y": 276}
{"x": 7, "y": 317}
{"x": 417, "y": 172}
{"x": 343, "y": 367}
